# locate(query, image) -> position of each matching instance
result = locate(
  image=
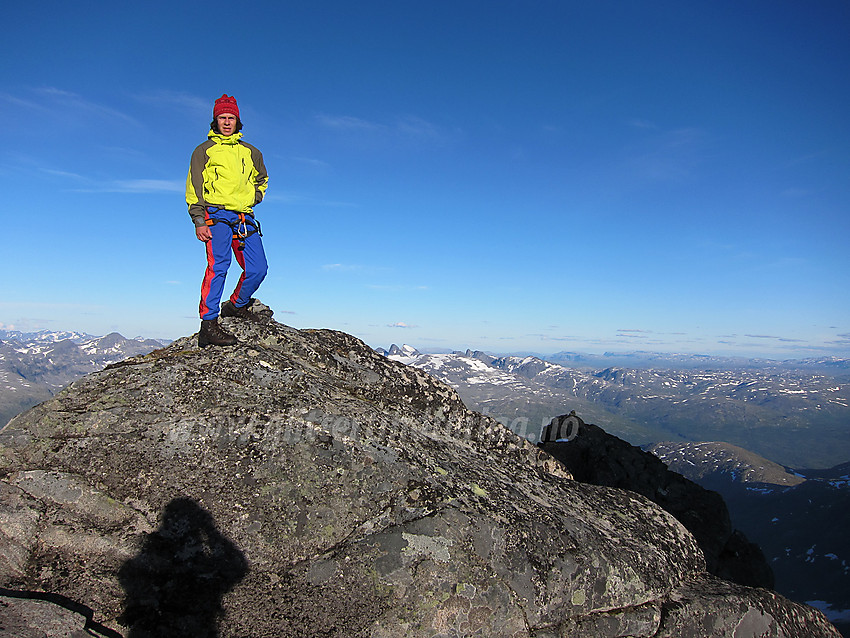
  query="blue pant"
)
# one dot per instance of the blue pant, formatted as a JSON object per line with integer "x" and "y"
{"x": 251, "y": 257}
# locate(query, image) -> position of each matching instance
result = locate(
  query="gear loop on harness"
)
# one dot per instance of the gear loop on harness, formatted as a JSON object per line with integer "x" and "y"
{"x": 239, "y": 228}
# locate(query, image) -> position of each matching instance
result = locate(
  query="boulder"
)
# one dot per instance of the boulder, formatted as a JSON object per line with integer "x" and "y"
{"x": 301, "y": 484}
{"x": 594, "y": 456}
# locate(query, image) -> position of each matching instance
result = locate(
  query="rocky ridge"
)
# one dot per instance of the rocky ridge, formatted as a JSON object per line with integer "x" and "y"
{"x": 798, "y": 517}
{"x": 300, "y": 484}
{"x": 594, "y": 456}
{"x": 710, "y": 459}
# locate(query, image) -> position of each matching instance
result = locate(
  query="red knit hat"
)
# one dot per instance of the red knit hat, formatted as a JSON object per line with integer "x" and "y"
{"x": 226, "y": 104}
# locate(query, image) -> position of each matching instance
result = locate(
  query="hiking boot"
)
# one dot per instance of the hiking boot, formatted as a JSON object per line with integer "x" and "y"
{"x": 212, "y": 334}
{"x": 229, "y": 310}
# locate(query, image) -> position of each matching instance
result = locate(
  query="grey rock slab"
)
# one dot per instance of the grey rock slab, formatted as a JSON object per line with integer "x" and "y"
{"x": 300, "y": 484}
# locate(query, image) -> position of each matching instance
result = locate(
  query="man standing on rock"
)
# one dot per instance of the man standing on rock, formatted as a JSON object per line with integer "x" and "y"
{"x": 227, "y": 178}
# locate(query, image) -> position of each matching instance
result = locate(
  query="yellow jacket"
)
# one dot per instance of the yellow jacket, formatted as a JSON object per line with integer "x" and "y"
{"x": 225, "y": 172}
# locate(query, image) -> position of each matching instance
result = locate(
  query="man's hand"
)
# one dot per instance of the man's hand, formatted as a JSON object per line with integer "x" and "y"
{"x": 203, "y": 233}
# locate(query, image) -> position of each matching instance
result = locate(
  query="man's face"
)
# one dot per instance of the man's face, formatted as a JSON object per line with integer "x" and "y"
{"x": 226, "y": 123}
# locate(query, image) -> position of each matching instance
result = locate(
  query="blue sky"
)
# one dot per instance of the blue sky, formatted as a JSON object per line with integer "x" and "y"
{"x": 508, "y": 176}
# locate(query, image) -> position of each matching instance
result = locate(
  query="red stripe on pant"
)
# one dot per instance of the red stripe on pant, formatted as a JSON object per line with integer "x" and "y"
{"x": 218, "y": 261}
{"x": 240, "y": 258}
{"x": 206, "y": 284}
{"x": 251, "y": 258}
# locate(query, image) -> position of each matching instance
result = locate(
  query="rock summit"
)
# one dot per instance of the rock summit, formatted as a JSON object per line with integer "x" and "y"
{"x": 300, "y": 484}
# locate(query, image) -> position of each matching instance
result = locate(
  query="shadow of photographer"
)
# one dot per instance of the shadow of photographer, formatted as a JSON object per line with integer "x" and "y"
{"x": 175, "y": 585}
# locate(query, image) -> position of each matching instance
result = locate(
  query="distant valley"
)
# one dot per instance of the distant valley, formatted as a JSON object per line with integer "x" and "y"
{"x": 796, "y": 413}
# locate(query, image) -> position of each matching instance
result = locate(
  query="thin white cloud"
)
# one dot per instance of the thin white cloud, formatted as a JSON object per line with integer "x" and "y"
{"x": 133, "y": 186}
{"x": 641, "y": 123}
{"x": 89, "y": 185}
{"x": 670, "y": 155}
{"x": 180, "y": 100}
{"x": 59, "y": 99}
{"x": 150, "y": 186}
{"x": 395, "y": 287}
{"x": 417, "y": 127}
{"x": 348, "y": 122}
{"x": 68, "y": 174}
{"x": 636, "y": 333}
{"x": 312, "y": 163}
{"x": 401, "y": 324}
{"x": 406, "y": 127}
{"x": 341, "y": 267}
{"x": 15, "y": 100}
{"x": 807, "y": 158}
{"x": 773, "y": 337}
{"x": 296, "y": 199}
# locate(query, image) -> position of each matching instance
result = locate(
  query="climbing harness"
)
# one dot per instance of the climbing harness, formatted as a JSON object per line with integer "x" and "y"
{"x": 239, "y": 228}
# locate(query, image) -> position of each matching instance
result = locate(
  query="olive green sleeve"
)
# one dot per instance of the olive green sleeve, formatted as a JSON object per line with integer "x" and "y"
{"x": 195, "y": 184}
{"x": 261, "y": 176}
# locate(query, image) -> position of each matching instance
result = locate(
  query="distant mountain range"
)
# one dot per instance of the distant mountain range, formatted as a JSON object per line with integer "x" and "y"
{"x": 795, "y": 413}
{"x": 35, "y": 365}
{"x": 696, "y": 361}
